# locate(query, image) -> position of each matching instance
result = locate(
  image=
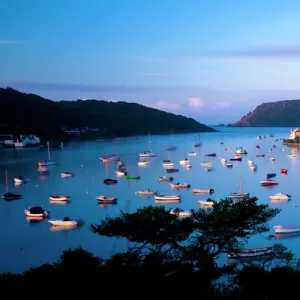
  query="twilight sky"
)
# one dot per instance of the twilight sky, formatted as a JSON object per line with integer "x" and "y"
{"x": 211, "y": 60}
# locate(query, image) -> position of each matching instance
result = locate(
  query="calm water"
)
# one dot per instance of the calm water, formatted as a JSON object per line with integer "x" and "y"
{"x": 25, "y": 244}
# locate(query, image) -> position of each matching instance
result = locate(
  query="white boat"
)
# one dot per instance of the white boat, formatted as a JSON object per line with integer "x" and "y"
{"x": 121, "y": 164}
{"x": 184, "y": 162}
{"x": 291, "y": 155}
{"x": 250, "y": 162}
{"x": 280, "y": 196}
{"x": 272, "y": 158}
{"x": 188, "y": 166}
{"x": 35, "y": 211}
{"x": 227, "y": 149}
{"x": 66, "y": 174}
{"x": 287, "y": 228}
{"x": 229, "y": 165}
{"x": 223, "y": 159}
{"x": 149, "y": 152}
{"x": 192, "y": 153}
{"x": 105, "y": 199}
{"x": 64, "y": 222}
{"x": 20, "y": 180}
{"x": 179, "y": 185}
{"x": 240, "y": 195}
{"x": 206, "y": 163}
{"x": 201, "y": 191}
{"x": 121, "y": 173}
{"x": 253, "y": 167}
{"x": 207, "y": 202}
{"x": 168, "y": 165}
{"x": 59, "y": 198}
{"x": 47, "y": 162}
{"x": 143, "y": 163}
{"x": 240, "y": 150}
{"x": 250, "y": 252}
{"x": 164, "y": 178}
{"x": 181, "y": 214}
{"x": 171, "y": 197}
{"x": 147, "y": 192}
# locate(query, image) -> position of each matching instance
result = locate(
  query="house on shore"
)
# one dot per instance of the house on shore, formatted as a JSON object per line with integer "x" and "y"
{"x": 294, "y": 134}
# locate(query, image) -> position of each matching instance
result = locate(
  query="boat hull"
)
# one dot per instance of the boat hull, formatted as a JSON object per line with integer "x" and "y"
{"x": 63, "y": 223}
{"x": 282, "y": 229}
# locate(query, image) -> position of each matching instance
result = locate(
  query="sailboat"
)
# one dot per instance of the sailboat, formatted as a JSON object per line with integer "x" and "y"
{"x": 198, "y": 144}
{"x": 47, "y": 162}
{"x": 149, "y": 152}
{"x": 240, "y": 195}
{"x": 8, "y": 195}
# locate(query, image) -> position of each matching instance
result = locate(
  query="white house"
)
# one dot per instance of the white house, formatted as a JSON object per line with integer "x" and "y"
{"x": 294, "y": 134}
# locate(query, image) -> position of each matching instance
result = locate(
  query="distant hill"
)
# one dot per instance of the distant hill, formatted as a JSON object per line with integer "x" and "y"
{"x": 31, "y": 113}
{"x": 274, "y": 114}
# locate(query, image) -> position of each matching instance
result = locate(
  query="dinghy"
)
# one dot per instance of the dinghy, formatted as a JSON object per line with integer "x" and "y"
{"x": 168, "y": 165}
{"x": 280, "y": 196}
{"x": 291, "y": 155}
{"x": 283, "y": 171}
{"x": 59, "y": 198}
{"x": 147, "y": 154}
{"x": 208, "y": 202}
{"x": 147, "y": 192}
{"x": 20, "y": 180}
{"x": 287, "y": 228}
{"x": 172, "y": 170}
{"x": 250, "y": 252}
{"x": 164, "y": 197}
{"x": 66, "y": 174}
{"x": 202, "y": 191}
{"x": 143, "y": 163}
{"x": 133, "y": 177}
{"x": 260, "y": 155}
{"x": 229, "y": 165}
{"x": 223, "y": 159}
{"x": 10, "y": 196}
{"x": 104, "y": 199}
{"x": 181, "y": 214}
{"x": 179, "y": 185}
{"x": 272, "y": 158}
{"x": 184, "y": 162}
{"x": 211, "y": 154}
{"x": 170, "y": 148}
{"x": 64, "y": 222}
{"x": 110, "y": 181}
{"x": 240, "y": 150}
{"x": 121, "y": 173}
{"x": 268, "y": 182}
{"x": 236, "y": 158}
{"x": 192, "y": 153}
{"x": 164, "y": 178}
{"x": 250, "y": 162}
{"x": 206, "y": 163}
{"x": 35, "y": 211}
{"x": 270, "y": 175}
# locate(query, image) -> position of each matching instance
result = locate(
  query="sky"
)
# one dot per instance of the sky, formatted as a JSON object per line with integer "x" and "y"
{"x": 212, "y": 60}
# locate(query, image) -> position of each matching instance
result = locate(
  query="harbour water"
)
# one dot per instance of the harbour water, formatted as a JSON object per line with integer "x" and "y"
{"x": 25, "y": 244}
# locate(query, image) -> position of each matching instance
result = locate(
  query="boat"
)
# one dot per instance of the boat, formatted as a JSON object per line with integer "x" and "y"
{"x": 236, "y": 158}
{"x": 109, "y": 158}
{"x": 206, "y": 163}
{"x": 223, "y": 159}
{"x": 180, "y": 185}
{"x": 104, "y": 199}
{"x": 168, "y": 165}
{"x": 272, "y": 158}
{"x": 202, "y": 191}
{"x": 164, "y": 178}
{"x": 121, "y": 164}
{"x": 208, "y": 202}
{"x": 188, "y": 166}
{"x": 259, "y": 137}
{"x": 240, "y": 195}
{"x": 291, "y": 155}
{"x": 35, "y": 211}
{"x": 250, "y": 252}
{"x": 170, "y": 148}
{"x": 143, "y": 163}
{"x": 166, "y": 161}
{"x": 227, "y": 149}
{"x": 20, "y": 180}
{"x": 280, "y": 196}
{"x": 192, "y": 153}
{"x": 283, "y": 171}
{"x": 198, "y": 143}
{"x": 8, "y": 195}
{"x": 270, "y": 175}
{"x": 133, "y": 177}
{"x": 59, "y": 198}
{"x": 149, "y": 152}
{"x": 240, "y": 150}
{"x": 181, "y": 214}
{"x": 209, "y": 169}
{"x": 268, "y": 182}
{"x": 257, "y": 146}
{"x": 121, "y": 173}
{"x": 164, "y": 197}
{"x": 42, "y": 171}
{"x": 67, "y": 174}
{"x": 146, "y": 192}
{"x": 172, "y": 170}
{"x": 250, "y": 162}
{"x": 64, "y": 222}
{"x": 229, "y": 165}
{"x": 260, "y": 155}
{"x": 287, "y": 228}
{"x": 211, "y": 154}
{"x": 110, "y": 181}
{"x": 253, "y": 167}
{"x": 47, "y": 162}
{"x": 184, "y": 161}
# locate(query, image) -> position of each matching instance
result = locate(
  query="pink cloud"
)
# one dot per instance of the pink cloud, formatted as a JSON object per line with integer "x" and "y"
{"x": 195, "y": 102}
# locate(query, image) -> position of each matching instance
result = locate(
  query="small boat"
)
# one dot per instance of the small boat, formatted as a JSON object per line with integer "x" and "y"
{"x": 184, "y": 161}
{"x": 146, "y": 192}
{"x": 268, "y": 182}
{"x": 20, "y": 180}
{"x": 229, "y": 165}
{"x": 10, "y": 196}
{"x": 260, "y": 155}
{"x": 259, "y": 137}
{"x": 35, "y": 211}
{"x": 188, "y": 166}
{"x": 172, "y": 170}
{"x": 170, "y": 148}
{"x": 257, "y": 146}
{"x": 109, "y": 158}
{"x": 163, "y": 197}
{"x": 283, "y": 171}
{"x": 168, "y": 165}
{"x": 143, "y": 163}
{"x": 64, "y": 222}
{"x": 198, "y": 145}
{"x": 250, "y": 252}
{"x": 192, "y": 153}
{"x": 280, "y": 196}
{"x": 164, "y": 178}
{"x": 121, "y": 164}
{"x": 286, "y": 229}
{"x": 147, "y": 154}
{"x": 241, "y": 196}
{"x": 180, "y": 185}
{"x": 42, "y": 171}
{"x": 133, "y": 177}
{"x": 201, "y": 191}
{"x": 206, "y": 163}
{"x": 270, "y": 175}
{"x": 240, "y": 150}
{"x": 291, "y": 155}
{"x": 110, "y": 181}
{"x": 209, "y": 169}
{"x": 67, "y": 174}
{"x": 181, "y": 214}
{"x": 250, "y": 162}
{"x": 208, "y": 202}
{"x": 166, "y": 161}
{"x": 211, "y": 154}
{"x": 121, "y": 173}
{"x": 236, "y": 158}
{"x": 227, "y": 149}
{"x": 104, "y": 199}
{"x": 253, "y": 167}
{"x": 46, "y": 163}
{"x": 223, "y": 159}
{"x": 59, "y": 198}
{"x": 272, "y": 158}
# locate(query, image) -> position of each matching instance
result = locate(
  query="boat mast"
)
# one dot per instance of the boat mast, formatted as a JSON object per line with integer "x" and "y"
{"x": 6, "y": 179}
{"x": 149, "y": 142}
{"x": 48, "y": 145}
{"x": 241, "y": 185}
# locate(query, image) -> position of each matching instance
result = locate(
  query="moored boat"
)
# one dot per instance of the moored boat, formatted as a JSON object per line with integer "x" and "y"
{"x": 64, "y": 222}
{"x": 146, "y": 192}
{"x": 20, "y": 180}
{"x": 206, "y": 163}
{"x": 165, "y": 197}
{"x": 203, "y": 191}
{"x": 184, "y": 161}
{"x": 270, "y": 175}
{"x": 164, "y": 178}
{"x": 272, "y": 158}
{"x": 287, "y": 228}
{"x": 133, "y": 177}
{"x": 143, "y": 163}
{"x": 10, "y": 196}
{"x": 268, "y": 182}
{"x": 229, "y": 165}
{"x": 110, "y": 181}
{"x": 280, "y": 196}
{"x": 179, "y": 185}
{"x": 170, "y": 148}
{"x": 236, "y": 158}
{"x": 66, "y": 174}
{"x": 172, "y": 170}
{"x": 109, "y": 158}
{"x": 35, "y": 211}
{"x": 283, "y": 171}
{"x": 121, "y": 173}
{"x": 192, "y": 153}
{"x": 211, "y": 154}
{"x": 147, "y": 154}
{"x": 260, "y": 155}
{"x": 241, "y": 196}
{"x": 46, "y": 163}
{"x": 208, "y": 202}
{"x": 104, "y": 199}
{"x": 181, "y": 214}
{"x": 59, "y": 198}
{"x": 240, "y": 150}
{"x": 168, "y": 165}
{"x": 250, "y": 162}
{"x": 250, "y": 252}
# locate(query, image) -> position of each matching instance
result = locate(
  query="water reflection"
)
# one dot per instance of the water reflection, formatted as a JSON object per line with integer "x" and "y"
{"x": 60, "y": 202}
{"x": 102, "y": 205}
{"x": 62, "y": 228}
{"x": 283, "y": 236}
{"x": 34, "y": 220}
